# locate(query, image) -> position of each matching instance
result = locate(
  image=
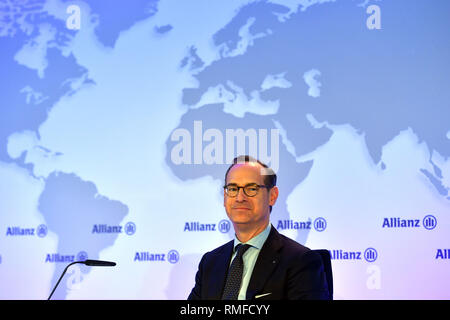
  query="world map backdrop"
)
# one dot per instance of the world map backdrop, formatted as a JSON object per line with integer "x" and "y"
{"x": 118, "y": 120}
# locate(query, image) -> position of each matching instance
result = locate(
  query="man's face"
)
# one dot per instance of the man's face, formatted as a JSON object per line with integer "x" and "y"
{"x": 244, "y": 210}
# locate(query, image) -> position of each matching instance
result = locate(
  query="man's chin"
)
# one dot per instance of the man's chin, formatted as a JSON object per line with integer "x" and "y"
{"x": 242, "y": 222}
{"x": 241, "y": 216}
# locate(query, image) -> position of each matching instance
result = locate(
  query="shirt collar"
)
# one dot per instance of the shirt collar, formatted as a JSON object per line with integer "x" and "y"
{"x": 258, "y": 241}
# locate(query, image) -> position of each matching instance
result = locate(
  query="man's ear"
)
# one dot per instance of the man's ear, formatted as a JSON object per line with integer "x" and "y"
{"x": 273, "y": 195}
{"x": 224, "y": 198}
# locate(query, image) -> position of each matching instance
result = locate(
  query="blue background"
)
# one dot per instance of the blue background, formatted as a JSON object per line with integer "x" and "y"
{"x": 357, "y": 100}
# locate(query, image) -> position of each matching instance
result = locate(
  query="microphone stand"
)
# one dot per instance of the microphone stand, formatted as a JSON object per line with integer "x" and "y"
{"x": 97, "y": 263}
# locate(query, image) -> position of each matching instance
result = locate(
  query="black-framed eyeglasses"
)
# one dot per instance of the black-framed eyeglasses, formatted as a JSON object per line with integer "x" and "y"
{"x": 250, "y": 190}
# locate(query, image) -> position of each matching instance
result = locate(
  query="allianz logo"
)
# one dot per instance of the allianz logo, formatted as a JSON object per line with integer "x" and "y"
{"x": 172, "y": 256}
{"x": 443, "y": 254}
{"x": 429, "y": 222}
{"x": 17, "y": 231}
{"x": 65, "y": 258}
{"x": 195, "y": 226}
{"x": 370, "y": 255}
{"x": 129, "y": 228}
{"x": 319, "y": 224}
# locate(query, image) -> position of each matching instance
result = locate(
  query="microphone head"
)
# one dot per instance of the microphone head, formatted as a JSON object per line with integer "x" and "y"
{"x": 99, "y": 263}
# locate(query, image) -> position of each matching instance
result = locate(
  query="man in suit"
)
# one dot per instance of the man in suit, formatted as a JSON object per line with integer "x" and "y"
{"x": 259, "y": 263}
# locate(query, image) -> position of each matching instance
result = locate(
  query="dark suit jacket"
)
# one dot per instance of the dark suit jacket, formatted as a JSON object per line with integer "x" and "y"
{"x": 284, "y": 268}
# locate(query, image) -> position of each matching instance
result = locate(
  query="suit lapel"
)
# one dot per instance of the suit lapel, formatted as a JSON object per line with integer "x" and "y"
{"x": 219, "y": 271}
{"x": 266, "y": 262}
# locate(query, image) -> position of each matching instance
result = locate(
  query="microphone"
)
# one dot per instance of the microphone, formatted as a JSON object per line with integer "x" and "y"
{"x": 99, "y": 263}
{"x": 93, "y": 263}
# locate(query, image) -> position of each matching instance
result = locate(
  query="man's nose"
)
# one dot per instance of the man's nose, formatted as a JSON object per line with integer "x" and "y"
{"x": 241, "y": 195}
